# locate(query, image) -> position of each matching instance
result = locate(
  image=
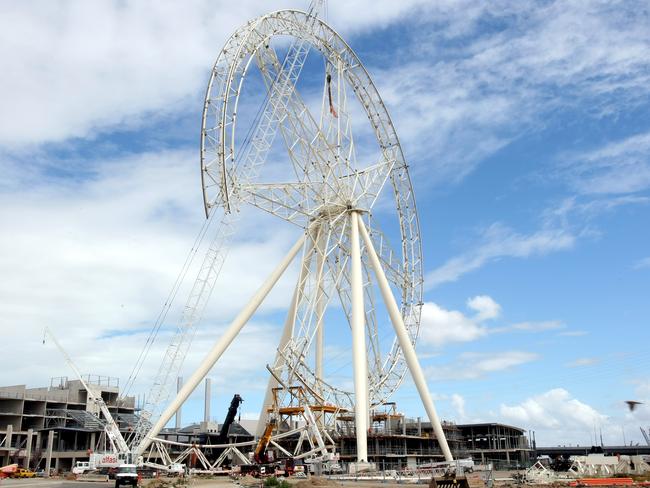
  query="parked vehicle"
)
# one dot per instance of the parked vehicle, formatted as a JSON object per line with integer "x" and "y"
{"x": 81, "y": 467}
{"x": 23, "y": 473}
{"x": 127, "y": 474}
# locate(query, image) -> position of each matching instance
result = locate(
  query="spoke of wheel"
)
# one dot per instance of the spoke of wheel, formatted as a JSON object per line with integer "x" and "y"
{"x": 304, "y": 141}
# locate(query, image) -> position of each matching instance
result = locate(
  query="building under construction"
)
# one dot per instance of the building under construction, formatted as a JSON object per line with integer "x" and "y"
{"x": 51, "y": 427}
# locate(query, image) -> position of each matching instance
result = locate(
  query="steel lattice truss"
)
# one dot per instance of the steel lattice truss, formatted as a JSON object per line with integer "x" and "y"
{"x": 328, "y": 181}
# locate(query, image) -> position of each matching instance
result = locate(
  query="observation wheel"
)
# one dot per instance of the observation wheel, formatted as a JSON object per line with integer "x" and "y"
{"x": 319, "y": 177}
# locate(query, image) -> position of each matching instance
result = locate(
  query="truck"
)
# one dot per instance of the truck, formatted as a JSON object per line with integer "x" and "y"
{"x": 127, "y": 474}
{"x": 99, "y": 460}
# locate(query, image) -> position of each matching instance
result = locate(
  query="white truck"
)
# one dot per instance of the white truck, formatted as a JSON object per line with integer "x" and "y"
{"x": 98, "y": 460}
{"x": 127, "y": 474}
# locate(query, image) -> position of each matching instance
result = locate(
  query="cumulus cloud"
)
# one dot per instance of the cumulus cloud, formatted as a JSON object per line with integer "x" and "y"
{"x": 485, "y": 307}
{"x": 440, "y": 326}
{"x": 458, "y": 402}
{"x": 94, "y": 258}
{"x": 93, "y": 66}
{"x": 552, "y": 411}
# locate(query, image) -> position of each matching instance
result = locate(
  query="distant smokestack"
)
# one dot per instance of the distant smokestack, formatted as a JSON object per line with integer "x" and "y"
{"x": 208, "y": 394}
{"x": 179, "y": 385}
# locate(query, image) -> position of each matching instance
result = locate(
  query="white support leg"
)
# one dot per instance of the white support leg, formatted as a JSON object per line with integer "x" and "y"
{"x": 320, "y": 304}
{"x": 359, "y": 356}
{"x": 222, "y": 344}
{"x": 405, "y": 343}
{"x": 287, "y": 331}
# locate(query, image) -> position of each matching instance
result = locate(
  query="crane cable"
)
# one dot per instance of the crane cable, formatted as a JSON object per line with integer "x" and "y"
{"x": 246, "y": 144}
{"x": 167, "y": 305}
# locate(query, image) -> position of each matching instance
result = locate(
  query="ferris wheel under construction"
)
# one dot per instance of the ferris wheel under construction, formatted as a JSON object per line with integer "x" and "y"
{"x": 343, "y": 195}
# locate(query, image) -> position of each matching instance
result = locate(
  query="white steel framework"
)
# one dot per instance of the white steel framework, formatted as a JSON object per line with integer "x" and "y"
{"x": 330, "y": 189}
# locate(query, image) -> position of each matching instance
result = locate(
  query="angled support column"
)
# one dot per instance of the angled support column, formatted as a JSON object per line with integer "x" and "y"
{"x": 287, "y": 331}
{"x": 321, "y": 244}
{"x": 405, "y": 343}
{"x": 219, "y": 348}
{"x": 359, "y": 356}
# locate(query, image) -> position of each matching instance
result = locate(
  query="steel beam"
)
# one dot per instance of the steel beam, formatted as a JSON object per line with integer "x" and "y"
{"x": 222, "y": 344}
{"x": 405, "y": 343}
{"x": 359, "y": 355}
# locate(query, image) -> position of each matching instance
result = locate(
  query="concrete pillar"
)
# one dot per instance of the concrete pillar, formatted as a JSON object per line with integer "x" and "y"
{"x": 208, "y": 394}
{"x": 179, "y": 385}
{"x": 420, "y": 426}
{"x": 48, "y": 453}
{"x": 28, "y": 448}
{"x": 7, "y": 443}
{"x": 38, "y": 441}
{"x": 9, "y": 437}
{"x": 92, "y": 441}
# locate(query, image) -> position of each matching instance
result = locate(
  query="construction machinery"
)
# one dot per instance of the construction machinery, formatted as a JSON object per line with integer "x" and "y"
{"x": 230, "y": 418}
{"x": 260, "y": 455}
{"x": 97, "y": 405}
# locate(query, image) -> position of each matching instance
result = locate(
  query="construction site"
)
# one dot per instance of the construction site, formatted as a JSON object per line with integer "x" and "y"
{"x": 357, "y": 285}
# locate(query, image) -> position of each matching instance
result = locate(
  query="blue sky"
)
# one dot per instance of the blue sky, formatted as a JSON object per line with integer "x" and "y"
{"x": 527, "y": 133}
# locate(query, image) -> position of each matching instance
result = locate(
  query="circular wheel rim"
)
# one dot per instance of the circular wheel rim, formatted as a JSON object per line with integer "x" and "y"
{"x": 222, "y": 173}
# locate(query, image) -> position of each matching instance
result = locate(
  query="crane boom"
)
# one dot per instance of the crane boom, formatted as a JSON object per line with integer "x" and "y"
{"x": 261, "y": 141}
{"x": 95, "y": 399}
{"x": 646, "y": 436}
{"x": 230, "y": 418}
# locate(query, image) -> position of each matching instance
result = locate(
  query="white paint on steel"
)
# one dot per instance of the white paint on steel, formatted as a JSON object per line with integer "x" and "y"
{"x": 405, "y": 342}
{"x": 359, "y": 358}
{"x": 287, "y": 331}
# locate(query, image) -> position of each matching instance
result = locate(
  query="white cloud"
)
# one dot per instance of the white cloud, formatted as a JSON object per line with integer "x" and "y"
{"x": 499, "y": 241}
{"x": 579, "y": 362}
{"x": 619, "y": 167}
{"x": 94, "y": 258}
{"x": 474, "y": 365}
{"x": 551, "y": 412}
{"x": 439, "y": 326}
{"x": 458, "y": 402}
{"x": 538, "y": 326}
{"x": 462, "y": 92}
{"x": 71, "y": 69}
{"x": 485, "y": 307}
{"x": 573, "y": 333}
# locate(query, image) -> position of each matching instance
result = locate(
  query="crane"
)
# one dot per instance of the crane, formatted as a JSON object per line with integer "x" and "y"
{"x": 262, "y": 137}
{"x": 646, "y": 436}
{"x": 230, "y": 418}
{"x": 260, "y": 451}
{"x": 97, "y": 404}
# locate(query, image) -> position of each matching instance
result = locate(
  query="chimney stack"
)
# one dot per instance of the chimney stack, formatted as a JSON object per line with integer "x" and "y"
{"x": 208, "y": 394}
{"x": 179, "y": 385}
